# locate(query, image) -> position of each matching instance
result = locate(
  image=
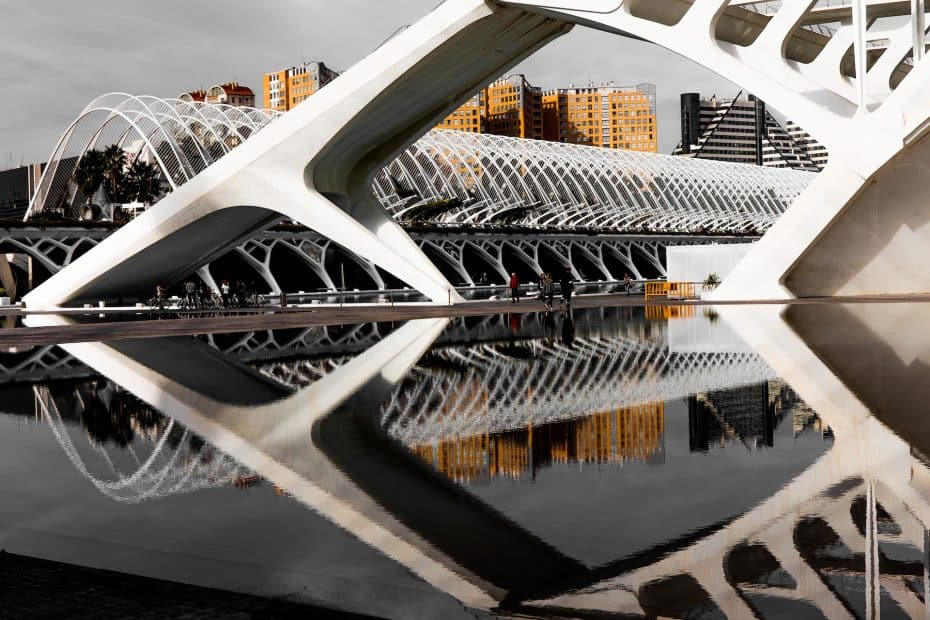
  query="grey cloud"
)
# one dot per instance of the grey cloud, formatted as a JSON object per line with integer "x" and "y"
{"x": 57, "y": 55}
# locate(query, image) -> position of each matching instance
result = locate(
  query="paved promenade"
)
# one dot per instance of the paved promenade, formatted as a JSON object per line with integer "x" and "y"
{"x": 121, "y": 323}
{"x": 34, "y": 588}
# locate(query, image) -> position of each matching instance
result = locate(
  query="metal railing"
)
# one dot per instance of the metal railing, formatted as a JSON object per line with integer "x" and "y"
{"x": 670, "y": 290}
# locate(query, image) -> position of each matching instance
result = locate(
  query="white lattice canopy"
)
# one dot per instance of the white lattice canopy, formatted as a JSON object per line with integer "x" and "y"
{"x": 454, "y": 178}
{"x": 463, "y": 178}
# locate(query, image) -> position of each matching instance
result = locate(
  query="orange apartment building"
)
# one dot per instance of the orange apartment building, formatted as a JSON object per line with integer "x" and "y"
{"x": 286, "y": 88}
{"x": 509, "y": 106}
{"x": 616, "y": 117}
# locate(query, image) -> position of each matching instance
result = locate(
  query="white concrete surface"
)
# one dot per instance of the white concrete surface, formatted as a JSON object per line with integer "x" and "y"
{"x": 694, "y": 263}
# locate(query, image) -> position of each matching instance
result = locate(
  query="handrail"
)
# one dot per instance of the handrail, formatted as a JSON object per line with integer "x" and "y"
{"x": 669, "y": 290}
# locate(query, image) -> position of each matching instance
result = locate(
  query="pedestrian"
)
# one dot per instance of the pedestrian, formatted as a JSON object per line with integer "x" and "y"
{"x": 627, "y": 283}
{"x": 240, "y": 293}
{"x": 190, "y": 292}
{"x": 514, "y": 288}
{"x": 224, "y": 292}
{"x": 160, "y": 296}
{"x": 565, "y": 283}
{"x": 548, "y": 291}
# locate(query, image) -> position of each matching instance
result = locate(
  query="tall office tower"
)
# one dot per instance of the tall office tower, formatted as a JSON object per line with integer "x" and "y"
{"x": 286, "y": 88}
{"x": 609, "y": 116}
{"x": 742, "y": 130}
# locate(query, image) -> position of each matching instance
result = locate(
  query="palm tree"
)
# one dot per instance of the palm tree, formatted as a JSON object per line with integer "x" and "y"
{"x": 114, "y": 172}
{"x": 142, "y": 182}
{"x": 89, "y": 173}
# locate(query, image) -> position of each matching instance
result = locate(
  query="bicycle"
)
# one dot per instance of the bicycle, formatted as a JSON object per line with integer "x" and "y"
{"x": 156, "y": 306}
{"x": 256, "y": 300}
{"x": 187, "y": 307}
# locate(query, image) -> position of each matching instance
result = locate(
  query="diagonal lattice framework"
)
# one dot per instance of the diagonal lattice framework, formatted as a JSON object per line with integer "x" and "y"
{"x": 487, "y": 179}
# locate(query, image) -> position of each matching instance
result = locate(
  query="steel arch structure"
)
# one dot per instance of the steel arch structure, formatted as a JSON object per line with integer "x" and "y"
{"x": 315, "y": 166}
{"x": 182, "y": 138}
{"x": 487, "y": 179}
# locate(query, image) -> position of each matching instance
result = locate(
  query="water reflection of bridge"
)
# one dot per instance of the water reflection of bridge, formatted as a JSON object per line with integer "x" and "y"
{"x": 852, "y": 522}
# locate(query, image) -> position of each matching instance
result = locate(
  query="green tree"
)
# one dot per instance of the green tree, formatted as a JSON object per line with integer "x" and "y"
{"x": 142, "y": 182}
{"x": 114, "y": 172}
{"x": 89, "y": 173}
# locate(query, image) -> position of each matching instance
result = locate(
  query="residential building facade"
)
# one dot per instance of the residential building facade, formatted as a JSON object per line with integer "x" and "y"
{"x": 509, "y": 106}
{"x": 468, "y": 117}
{"x": 608, "y": 116}
{"x": 194, "y": 95}
{"x": 287, "y": 88}
{"x": 231, "y": 93}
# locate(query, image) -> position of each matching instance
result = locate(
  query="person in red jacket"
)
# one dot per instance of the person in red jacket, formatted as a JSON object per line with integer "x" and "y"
{"x": 514, "y": 288}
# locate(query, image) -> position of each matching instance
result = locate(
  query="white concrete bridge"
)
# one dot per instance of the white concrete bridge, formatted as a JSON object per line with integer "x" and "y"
{"x": 315, "y": 165}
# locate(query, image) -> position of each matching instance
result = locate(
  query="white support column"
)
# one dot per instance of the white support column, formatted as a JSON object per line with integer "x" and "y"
{"x": 859, "y": 51}
{"x": 918, "y": 28}
{"x": 926, "y": 578}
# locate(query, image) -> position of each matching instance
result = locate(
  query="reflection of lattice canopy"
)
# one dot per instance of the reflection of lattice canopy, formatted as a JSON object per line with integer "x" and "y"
{"x": 181, "y": 137}
{"x": 553, "y": 384}
{"x": 493, "y": 179}
{"x": 149, "y": 468}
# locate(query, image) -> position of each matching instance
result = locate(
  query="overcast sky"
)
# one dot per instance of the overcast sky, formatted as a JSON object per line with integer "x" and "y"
{"x": 58, "y": 55}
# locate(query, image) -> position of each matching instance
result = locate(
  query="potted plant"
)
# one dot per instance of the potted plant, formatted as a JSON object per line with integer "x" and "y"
{"x": 711, "y": 282}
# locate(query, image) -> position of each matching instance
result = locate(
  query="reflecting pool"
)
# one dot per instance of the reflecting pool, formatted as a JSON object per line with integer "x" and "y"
{"x": 684, "y": 462}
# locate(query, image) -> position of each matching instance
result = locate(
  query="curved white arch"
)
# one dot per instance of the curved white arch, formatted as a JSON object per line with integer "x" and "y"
{"x": 185, "y": 132}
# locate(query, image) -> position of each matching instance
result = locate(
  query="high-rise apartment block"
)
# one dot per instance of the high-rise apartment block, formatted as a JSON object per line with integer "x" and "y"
{"x": 616, "y": 117}
{"x": 468, "y": 117}
{"x": 514, "y": 108}
{"x": 621, "y": 117}
{"x": 509, "y": 106}
{"x": 742, "y": 130}
{"x": 286, "y": 88}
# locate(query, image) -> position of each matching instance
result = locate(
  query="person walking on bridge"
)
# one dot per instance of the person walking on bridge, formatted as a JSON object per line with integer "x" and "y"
{"x": 514, "y": 288}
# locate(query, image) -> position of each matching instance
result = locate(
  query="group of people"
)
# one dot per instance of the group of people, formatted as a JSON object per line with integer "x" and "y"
{"x": 196, "y": 294}
{"x": 547, "y": 284}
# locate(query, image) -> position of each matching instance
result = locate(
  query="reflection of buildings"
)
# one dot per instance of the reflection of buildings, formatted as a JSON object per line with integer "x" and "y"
{"x": 628, "y": 434}
{"x": 747, "y": 415}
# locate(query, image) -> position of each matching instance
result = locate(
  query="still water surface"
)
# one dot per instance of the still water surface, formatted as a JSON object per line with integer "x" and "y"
{"x": 688, "y": 463}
